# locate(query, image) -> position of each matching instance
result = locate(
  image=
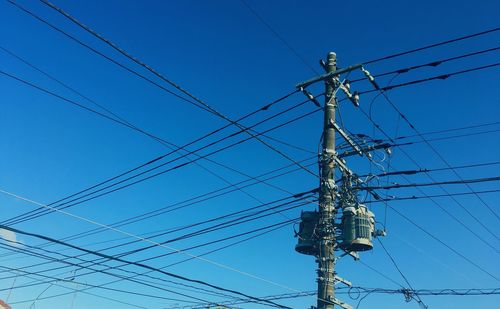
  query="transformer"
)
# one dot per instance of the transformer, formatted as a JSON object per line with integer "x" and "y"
{"x": 358, "y": 225}
{"x": 307, "y": 242}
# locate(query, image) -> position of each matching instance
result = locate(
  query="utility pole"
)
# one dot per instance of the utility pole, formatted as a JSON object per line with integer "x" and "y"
{"x": 326, "y": 229}
{"x": 320, "y": 235}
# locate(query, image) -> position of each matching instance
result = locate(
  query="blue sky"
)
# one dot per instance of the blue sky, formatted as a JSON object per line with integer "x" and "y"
{"x": 220, "y": 51}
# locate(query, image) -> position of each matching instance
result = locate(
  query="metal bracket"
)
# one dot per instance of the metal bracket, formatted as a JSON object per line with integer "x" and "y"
{"x": 342, "y": 165}
{"x": 352, "y": 254}
{"x": 340, "y": 303}
{"x": 347, "y": 138}
{"x": 328, "y": 75}
{"x": 342, "y": 280}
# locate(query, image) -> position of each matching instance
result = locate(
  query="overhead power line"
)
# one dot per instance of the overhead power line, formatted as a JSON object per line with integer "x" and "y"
{"x": 278, "y": 36}
{"x": 177, "y": 205}
{"x": 56, "y": 281}
{"x": 356, "y": 290}
{"x": 25, "y": 250}
{"x": 220, "y": 265}
{"x": 141, "y": 265}
{"x": 239, "y": 220}
{"x": 411, "y": 51}
{"x": 428, "y": 79}
{"x": 437, "y": 183}
{"x": 470, "y": 261}
{"x": 427, "y": 196}
{"x": 160, "y": 157}
{"x": 426, "y": 170}
{"x": 81, "y": 265}
{"x": 199, "y": 103}
{"x": 440, "y": 156}
{"x": 417, "y": 298}
{"x": 436, "y": 63}
{"x": 87, "y": 196}
{"x": 415, "y": 197}
{"x": 179, "y": 262}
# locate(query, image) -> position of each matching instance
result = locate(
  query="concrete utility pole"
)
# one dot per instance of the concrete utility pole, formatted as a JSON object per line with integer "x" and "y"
{"x": 326, "y": 245}
{"x": 318, "y": 230}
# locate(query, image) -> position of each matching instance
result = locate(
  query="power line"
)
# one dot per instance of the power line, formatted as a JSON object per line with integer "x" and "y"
{"x": 433, "y": 45}
{"x": 444, "y": 243}
{"x": 66, "y": 258}
{"x": 450, "y": 214}
{"x": 414, "y": 197}
{"x": 383, "y": 92}
{"x": 429, "y": 176}
{"x": 161, "y": 141}
{"x": 237, "y": 221}
{"x": 437, "y": 183}
{"x": 418, "y": 299}
{"x": 447, "y": 194}
{"x": 127, "y": 125}
{"x": 141, "y": 265}
{"x": 201, "y": 104}
{"x": 137, "y": 237}
{"x": 175, "y": 206}
{"x": 54, "y": 281}
{"x": 453, "y": 129}
{"x": 158, "y": 158}
{"x": 188, "y": 259}
{"x": 364, "y": 290}
{"x": 278, "y": 36}
{"x": 454, "y": 217}
{"x": 226, "y": 224}
{"x": 435, "y": 150}
{"x": 167, "y": 170}
{"x": 362, "y": 137}
{"x": 428, "y": 79}
{"x": 39, "y": 273}
{"x": 179, "y": 205}
{"x": 435, "y": 63}
{"x": 426, "y": 170}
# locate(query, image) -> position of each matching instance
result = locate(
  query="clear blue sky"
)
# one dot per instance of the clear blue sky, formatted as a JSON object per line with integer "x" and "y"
{"x": 220, "y": 51}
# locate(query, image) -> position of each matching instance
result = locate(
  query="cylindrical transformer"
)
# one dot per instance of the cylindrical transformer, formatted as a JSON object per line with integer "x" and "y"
{"x": 307, "y": 242}
{"x": 358, "y": 224}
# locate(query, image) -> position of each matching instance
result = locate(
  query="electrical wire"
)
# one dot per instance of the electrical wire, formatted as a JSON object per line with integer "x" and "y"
{"x": 137, "y": 237}
{"x": 441, "y": 157}
{"x": 447, "y": 194}
{"x": 383, "y": 92}
{"x": 444, "y": 243}
{"x": 164, "y": 171}
{"x": 44, "y": 256}
{"x": 407, "y": 52}
{"x": 414, "y": 197}
{"x": 141, "y": 265}
{"x": 438, "y": 183}
{"x": 15, "y": 219}
{"x": 433, "y": 64}
{"x": 432, "y": 78}
{"x": 239, "y": 220}
{"x": 426, "y": 170}
{"x": 194, "y": 100}
{"x": 418, "y": 299}
{"x": 278, "y": 36}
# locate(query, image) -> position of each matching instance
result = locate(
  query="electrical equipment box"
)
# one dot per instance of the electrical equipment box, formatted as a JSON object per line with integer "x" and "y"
{"x": 358, "y": 225}
{"x": 307, "y": 242}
